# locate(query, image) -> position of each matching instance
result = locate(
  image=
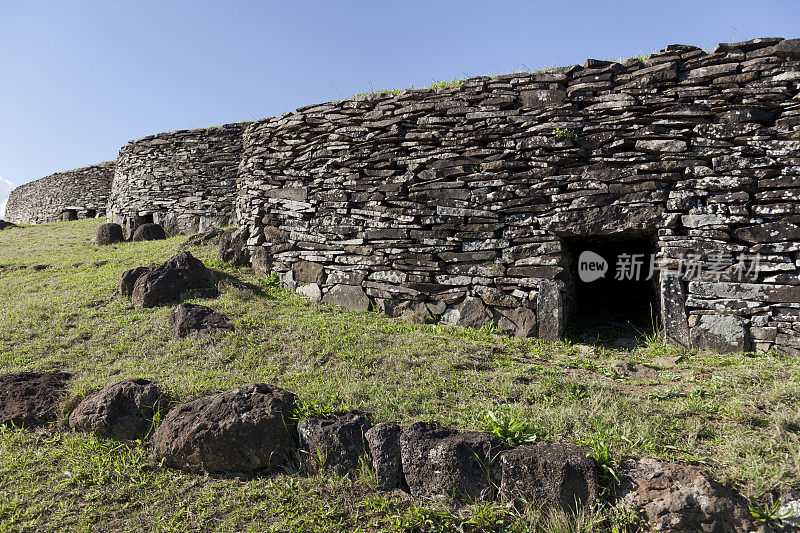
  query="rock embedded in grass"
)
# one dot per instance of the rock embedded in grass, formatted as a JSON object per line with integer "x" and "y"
{"x": 232, "y": 247}
{"x": 242, "y": 429}
{"x": 439, "y": 461}
{"x": 149, "y": 232}
{"x": 4, "y": 224}
{"x": 383, "y": 442}
{"x": 109, "y": 233}
{"x": 209, "y": 236}
{"x": 129, "y": 278}
{"x": 680, "y": 497}
{"x": 167, "y": 282}
{"x": 31, "y": 398}
{"x": 633, "y": 370}
{"x": 554, "y": 474}
{"x": 190, "y": 319}
{"x": 123, "y": 410}
{"x": 334, "y": 443}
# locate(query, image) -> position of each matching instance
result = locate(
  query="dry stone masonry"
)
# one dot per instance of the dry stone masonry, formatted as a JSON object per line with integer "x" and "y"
{"x": 184, "y": 180}
{"x": 79, "y": 193}
{"x": 470, "y": 203}
{"x": 478, "y": 203}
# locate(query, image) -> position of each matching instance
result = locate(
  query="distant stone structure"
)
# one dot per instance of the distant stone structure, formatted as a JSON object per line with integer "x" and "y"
{"x": 79, "y": 193}
{"x": 184, "y": 180}
{"x": 473, "y": 203}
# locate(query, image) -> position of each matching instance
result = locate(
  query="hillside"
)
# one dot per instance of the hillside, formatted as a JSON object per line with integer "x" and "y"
{"x": 737, "y": 415}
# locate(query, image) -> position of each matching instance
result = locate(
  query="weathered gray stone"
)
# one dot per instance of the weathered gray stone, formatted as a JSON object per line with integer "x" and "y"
{"x": 780, "y": 231}
{"x": 720, "y": 333}
{"x": 261, "y": 261}
{"x": 469, "y": 313}
{"x": 550, "y": 311}
{"x": 673, "y": 310}
{"x": 439, "y": 197}
{"x": 351, "y": 297}
{"x": 661, "y": 145}
{"x": 788, "y": 48}
{"x": 519, "y": 322}
{"x": 310, "y": 291}
{"x": 308, "y": 272}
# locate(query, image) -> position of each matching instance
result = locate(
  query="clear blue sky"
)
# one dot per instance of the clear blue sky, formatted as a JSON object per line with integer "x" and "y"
{"x": 78, "y": 79}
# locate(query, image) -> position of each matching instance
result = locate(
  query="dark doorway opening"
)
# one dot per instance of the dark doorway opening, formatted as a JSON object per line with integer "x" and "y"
{"x": 615, "y": 296}
{"x": 91, "y": 213}
{"x": 146, "y": 219}
{"x": 69, "y": 214}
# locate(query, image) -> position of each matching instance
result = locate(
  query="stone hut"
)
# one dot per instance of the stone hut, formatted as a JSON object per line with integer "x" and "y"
{"x": 184, "y": 180}
{"x": 70, "y": 195}
{"x": 665, "y": 187}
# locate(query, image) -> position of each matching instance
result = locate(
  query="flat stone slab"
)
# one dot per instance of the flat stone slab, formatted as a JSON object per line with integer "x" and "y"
{"x": 190, "y": 319}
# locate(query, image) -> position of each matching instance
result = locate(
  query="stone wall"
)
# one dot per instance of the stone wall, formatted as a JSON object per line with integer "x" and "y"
{"x": 460, "y": 203}
{"x": 78, "y": 193}
{"x": 184, "y": 180}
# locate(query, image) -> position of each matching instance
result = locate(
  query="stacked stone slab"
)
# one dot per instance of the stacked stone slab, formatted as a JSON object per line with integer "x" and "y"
{"x": 78, "y": 193}
{"x": 457, "y": 202}
{"x": 184, "y": 180}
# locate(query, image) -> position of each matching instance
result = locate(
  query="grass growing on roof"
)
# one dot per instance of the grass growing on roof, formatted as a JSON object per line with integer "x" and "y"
{"x": 734, "y": 414}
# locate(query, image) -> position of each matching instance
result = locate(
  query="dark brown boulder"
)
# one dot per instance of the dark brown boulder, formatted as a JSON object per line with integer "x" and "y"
{"x": 123, "y": 410}
{"x": 549, "y": 474}
{"x": 242, "y": 429}
{"x": 108, "y": 234}
{"x": 31, "y": 398}
{"x": 679, "y": 497}
{"x": 439, "y": 461}
{"x": 233, "y": 247}
{"x": 149, "y": 232}
{"x": 165, "y": 283}
{"x": 188, "y": 319}
{"x": 129, "y": 278}
{"x": 334, "y": 442}
{"x": 383, "y": 442}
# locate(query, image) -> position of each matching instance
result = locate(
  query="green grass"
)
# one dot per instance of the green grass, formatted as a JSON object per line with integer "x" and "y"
{"x": 734, "y": 414}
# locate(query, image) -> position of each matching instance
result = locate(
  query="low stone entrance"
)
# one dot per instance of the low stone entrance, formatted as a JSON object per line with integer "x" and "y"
{"x": 613, "y": 296}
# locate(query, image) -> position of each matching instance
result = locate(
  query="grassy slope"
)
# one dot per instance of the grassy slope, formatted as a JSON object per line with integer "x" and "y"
{"x": 736, "y": 415}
